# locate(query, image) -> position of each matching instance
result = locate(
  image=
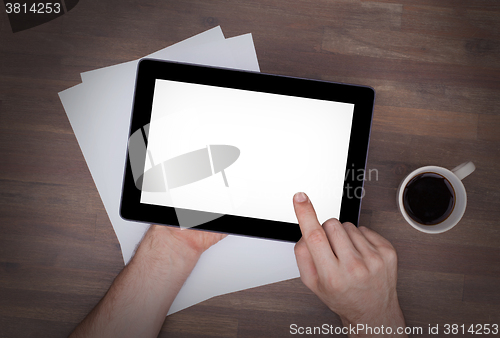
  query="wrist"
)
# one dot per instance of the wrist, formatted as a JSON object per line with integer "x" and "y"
{"x": 391, "y": 316}
{"x": 162, "y": 250}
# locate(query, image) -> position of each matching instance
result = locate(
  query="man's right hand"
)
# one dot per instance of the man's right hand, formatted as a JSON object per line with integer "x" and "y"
{"x": 352, "y": 270}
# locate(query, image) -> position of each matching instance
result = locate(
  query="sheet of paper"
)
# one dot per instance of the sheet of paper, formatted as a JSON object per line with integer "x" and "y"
{"x": 99, "y": 112}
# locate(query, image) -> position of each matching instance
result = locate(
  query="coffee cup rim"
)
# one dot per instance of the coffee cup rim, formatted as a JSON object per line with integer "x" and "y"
{"x": 456, "y": 184}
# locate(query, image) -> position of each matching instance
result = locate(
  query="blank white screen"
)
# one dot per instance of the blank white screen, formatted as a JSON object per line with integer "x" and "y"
{"x": 287, "y": 144}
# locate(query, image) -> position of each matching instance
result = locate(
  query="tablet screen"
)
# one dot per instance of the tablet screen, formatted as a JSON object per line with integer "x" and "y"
{"x": 244, "y": 153}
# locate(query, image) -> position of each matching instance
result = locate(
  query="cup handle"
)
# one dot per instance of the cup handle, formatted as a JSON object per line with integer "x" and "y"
{"x": 463, "y": 170}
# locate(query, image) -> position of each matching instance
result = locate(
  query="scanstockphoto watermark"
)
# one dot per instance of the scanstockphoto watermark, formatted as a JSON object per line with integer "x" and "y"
{"x": 355, "y": 179}
{"x": 328, "y": 329}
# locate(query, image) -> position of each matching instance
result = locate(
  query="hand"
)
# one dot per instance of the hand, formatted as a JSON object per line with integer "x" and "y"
{"x": 139, "y": 299}
{"x": 165, "y": 238}
{"x": 173, "y": 247}
{"x": 195, "y": 239}
{"x": 353, "y": 271}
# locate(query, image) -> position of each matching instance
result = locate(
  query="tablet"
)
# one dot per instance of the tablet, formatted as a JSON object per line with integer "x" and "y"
{"x": 225, "y": 150}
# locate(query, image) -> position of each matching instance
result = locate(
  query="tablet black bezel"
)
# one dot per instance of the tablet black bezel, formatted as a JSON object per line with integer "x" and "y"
{"x": 149, "y": 70}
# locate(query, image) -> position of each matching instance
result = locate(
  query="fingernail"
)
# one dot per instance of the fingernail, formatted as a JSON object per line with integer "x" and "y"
{"x": 300, "y": 197}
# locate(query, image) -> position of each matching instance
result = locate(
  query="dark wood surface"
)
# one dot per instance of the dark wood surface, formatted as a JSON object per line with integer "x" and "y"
{"x": 435, "y": 66}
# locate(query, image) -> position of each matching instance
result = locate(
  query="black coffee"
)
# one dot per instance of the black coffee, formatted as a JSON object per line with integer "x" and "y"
{"x": 429, "y": 198}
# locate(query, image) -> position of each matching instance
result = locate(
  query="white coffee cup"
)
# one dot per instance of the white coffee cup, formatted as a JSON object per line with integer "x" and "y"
{"x": 455, "y": 177}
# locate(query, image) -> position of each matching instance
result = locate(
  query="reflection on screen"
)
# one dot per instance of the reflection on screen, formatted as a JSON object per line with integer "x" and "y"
{"x": 243, "y": 153}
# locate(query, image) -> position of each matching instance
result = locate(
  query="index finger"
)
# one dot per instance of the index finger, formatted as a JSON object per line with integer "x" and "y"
{"x": 313, "y": 233}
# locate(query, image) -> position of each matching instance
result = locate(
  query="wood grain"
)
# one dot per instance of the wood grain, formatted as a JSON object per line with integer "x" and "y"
{"x": 435, "y": 67}
{"x": 426, "y": 122}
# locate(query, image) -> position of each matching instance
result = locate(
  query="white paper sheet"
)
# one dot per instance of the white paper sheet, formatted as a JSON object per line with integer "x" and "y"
{"x": 99, "y": 112}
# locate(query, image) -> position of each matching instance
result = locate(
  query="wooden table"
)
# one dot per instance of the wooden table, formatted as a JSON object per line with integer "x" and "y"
{"x": 435, "y": 66}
